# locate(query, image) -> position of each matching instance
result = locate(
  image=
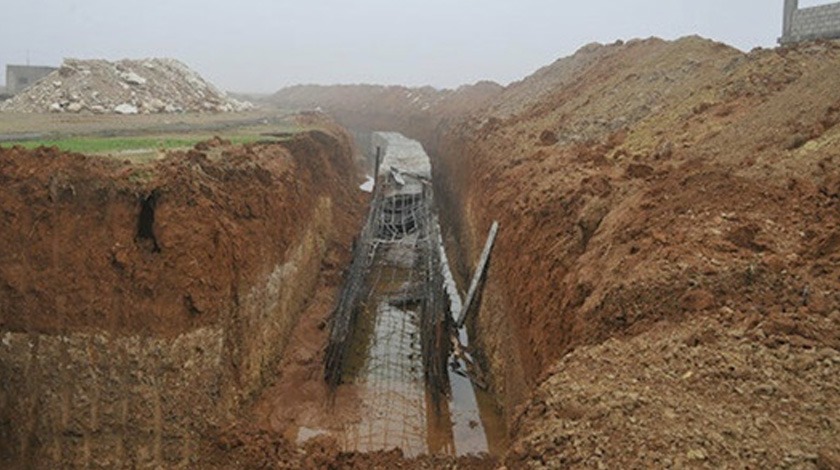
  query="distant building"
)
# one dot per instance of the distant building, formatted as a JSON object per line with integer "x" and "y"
{"x": 804, "y": 24}
{"x": 21, "y": 77}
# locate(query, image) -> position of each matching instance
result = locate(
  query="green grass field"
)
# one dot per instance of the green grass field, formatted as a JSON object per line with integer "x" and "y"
{"x": 145, "y": 140}
{"x": 116, "y": 145}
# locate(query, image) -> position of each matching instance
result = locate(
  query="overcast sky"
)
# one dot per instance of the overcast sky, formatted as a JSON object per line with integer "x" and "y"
{"x": 263, "y": 45}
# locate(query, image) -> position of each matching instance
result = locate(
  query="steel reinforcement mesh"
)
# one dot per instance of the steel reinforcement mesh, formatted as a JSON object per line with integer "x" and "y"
{"x": 390, "y": 331}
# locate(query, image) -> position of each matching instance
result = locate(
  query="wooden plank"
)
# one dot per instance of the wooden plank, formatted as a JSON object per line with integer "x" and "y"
{"x": 479, "y": 274}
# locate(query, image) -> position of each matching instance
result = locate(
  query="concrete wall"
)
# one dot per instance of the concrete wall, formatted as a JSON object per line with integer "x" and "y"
{"x": 21, "y": 77}
{"x": 802, "y": 24}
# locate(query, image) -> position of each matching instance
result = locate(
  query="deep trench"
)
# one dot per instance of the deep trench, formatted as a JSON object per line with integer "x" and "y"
{"x": 393, "y": 334}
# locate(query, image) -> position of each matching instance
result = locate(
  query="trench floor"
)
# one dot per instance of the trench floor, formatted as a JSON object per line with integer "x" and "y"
{"x": 385, "y": 367}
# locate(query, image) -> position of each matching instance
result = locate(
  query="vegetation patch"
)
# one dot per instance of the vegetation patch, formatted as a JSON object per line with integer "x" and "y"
{"x": 107, "y": 145}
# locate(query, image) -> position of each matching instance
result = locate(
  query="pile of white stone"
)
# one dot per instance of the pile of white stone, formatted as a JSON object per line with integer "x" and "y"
{"x": 124, "y": 87}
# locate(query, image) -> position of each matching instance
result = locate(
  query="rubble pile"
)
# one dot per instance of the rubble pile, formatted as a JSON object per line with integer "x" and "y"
{"x": 125, "y": 87}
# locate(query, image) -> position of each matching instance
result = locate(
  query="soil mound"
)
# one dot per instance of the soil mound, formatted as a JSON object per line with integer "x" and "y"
{"x": 415, "y": 112}
{"x": 124, "y": 87}
{"x": 680, "y": 194}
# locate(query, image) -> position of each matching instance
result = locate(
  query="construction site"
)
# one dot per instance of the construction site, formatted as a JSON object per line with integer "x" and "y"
{"x": 629, "y": 258}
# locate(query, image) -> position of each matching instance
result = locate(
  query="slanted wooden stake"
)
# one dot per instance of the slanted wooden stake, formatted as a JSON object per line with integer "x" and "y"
{"x": 478, "y": 275}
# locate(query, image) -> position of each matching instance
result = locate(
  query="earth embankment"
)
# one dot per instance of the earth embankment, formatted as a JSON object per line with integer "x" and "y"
{"x": 646, "y": 186}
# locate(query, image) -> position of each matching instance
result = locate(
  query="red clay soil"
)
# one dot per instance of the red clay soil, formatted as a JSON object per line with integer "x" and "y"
{"x": 94, "y": 243}
{"x": 649, "y": 186}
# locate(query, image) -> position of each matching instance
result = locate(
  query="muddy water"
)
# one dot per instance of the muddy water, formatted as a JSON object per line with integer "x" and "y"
{"x": 385, "y": 367}
{"x": 478, "y": 424}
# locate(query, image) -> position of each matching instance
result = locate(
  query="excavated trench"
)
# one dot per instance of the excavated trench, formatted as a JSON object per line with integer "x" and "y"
{"x": 393, "y": 336}
{"x": 139, "y": 346}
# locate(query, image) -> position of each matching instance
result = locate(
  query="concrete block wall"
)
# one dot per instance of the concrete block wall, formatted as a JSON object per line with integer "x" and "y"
{"x": 21, "y": 77}
{"x": 819, "y": 22}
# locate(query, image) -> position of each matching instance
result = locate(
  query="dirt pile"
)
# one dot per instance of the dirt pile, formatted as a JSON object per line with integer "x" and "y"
{"x": 144, "y": 305}
{"x": 252, "y": 448}
{"x": 123, "y": 87}
{"x": 415, "y": 112}
{"x": 653, "y": 194}
{"x": 717, "y": 390}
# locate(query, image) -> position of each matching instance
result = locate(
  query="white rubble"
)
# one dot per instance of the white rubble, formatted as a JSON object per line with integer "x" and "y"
{"x": 132, "y": 78}
{"x": 125, "y": 87}
{"x": 125, "y": 108}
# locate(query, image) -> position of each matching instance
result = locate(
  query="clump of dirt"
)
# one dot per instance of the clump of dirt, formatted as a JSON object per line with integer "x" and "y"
{"x": 718, "y": 390}
{"x": 123, "y": 87}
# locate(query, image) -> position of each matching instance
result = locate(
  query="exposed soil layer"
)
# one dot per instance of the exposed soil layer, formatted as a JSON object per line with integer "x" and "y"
{"x": 97, "y": 243}
{"x": 248, "y": 448}
{"x": 144, "y": 306}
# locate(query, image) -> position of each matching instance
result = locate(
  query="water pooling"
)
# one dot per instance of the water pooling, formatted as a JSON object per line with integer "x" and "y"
{"x": 392, "y": 335}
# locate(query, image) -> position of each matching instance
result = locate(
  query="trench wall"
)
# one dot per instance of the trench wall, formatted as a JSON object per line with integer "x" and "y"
{"x": 124, "y": 392}
{"x": 100, "y": 400}
{"x": 495, "y": 336}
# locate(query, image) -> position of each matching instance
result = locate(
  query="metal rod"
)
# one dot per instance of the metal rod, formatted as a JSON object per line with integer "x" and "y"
{"x": 479, "y": 274}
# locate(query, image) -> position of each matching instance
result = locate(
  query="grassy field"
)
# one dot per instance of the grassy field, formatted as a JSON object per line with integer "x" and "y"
{"x": 26, "y": 125}
{"x": 142, "y": 139}
{"x": 116, "y": 145}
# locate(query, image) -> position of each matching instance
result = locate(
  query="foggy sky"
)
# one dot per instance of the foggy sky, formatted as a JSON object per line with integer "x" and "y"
{"x": 263, "y": 45}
